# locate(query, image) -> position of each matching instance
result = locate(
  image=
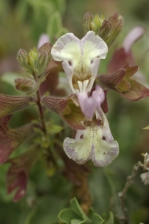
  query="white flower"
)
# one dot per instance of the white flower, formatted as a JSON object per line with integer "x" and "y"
{"x": 95, "y": 143}
{"x": 145, "y": 178}
{"x": 80, "y": 59}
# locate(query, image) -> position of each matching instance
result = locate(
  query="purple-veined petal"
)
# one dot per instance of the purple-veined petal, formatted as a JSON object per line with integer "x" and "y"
{"x": 66, "y": 48}
{"x": 91, "y": 146}
{"x": 80, "y": 58}
{"x": 94, "y": 46}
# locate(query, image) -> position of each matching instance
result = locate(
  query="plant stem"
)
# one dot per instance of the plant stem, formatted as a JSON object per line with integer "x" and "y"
{"x": 41, "y": 112}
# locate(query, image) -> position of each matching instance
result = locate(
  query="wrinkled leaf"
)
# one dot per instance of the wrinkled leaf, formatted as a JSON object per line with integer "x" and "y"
{"x": 67, "y": 109}
{"x": 122, "y": 83}
{"x": 11, "y": 104}
{"x": 10, "y": 139}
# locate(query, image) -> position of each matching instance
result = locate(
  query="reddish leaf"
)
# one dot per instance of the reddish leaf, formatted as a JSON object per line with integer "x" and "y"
{"x": 122, "y": 83}
{"x": 120, "y": 59}
{"x": 10, "y": 104}
{"x": 17, "y": 181}
{"x": 17, "y": 175}
{"x": 67, "y": 109}
{"x": 124, "y": 55}
{"x": 10, "y": 139}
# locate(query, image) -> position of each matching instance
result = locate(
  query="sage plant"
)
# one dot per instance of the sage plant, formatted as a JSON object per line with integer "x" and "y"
{"x": 84, "y": 110}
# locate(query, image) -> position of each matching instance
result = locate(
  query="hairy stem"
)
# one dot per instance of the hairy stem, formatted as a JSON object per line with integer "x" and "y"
{"x": 41, "y": 112}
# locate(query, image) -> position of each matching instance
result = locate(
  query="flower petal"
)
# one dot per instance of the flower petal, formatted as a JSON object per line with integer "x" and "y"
{"x": 107, "y": 135}
{"x": 91, "y": 146}
{"x": 104, "y": 152}
{"x": 145, "y": 178}
{"x": 80, "y": 58}
{"x": 132, "y": 37}
{"x": 44, "y": 38}
{"x": 77, "y": 150}
{"x": 90, "y": 104}
{"x": 66, "y": 48}
{"x": 94, "y": 46}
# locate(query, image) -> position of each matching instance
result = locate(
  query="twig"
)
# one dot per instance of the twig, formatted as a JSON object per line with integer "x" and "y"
{"x": 122, "y": 194}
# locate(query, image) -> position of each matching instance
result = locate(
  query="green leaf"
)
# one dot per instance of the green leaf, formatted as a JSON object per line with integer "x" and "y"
{"x": 77, "y": 221}
{"x": 76, "y": 208}
{"x": 96, "y": 219}
{"x": 54, "y": 24}
{"x": 110, "y": 220}
{"x": 54, "y": 129}
{"x": 67, "y": 215}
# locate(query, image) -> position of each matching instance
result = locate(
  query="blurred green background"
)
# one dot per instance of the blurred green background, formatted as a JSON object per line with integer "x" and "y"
{"x": 21, "y": 24}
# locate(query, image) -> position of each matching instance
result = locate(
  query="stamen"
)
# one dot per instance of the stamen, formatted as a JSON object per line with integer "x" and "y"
{"x": 83, "y": 87}
{"x": 85, "y": 83}
{"x": 80, "y": 86}
{"x": 98, "y": 117}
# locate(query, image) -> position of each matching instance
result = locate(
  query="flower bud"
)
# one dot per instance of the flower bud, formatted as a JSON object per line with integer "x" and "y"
{"x": 26, "y": 85}
{"x": 23, "y": 60}
{"x": 92, "y": 22}
{"x": 87, "y": 21}
{"x": 32, "y": 58}
{"x": 96, "y": 23}
{"x": 43, "y": 59}
{"x": 42, "y": 62}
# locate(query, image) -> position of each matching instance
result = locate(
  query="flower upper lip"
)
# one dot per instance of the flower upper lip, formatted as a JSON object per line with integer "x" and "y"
{"x": 80, "y": 58}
